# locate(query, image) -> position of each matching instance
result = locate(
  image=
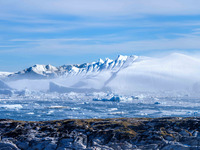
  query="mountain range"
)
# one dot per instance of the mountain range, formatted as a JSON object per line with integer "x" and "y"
{"x": 125, "y": 74}
{"x": 49, "y": 71}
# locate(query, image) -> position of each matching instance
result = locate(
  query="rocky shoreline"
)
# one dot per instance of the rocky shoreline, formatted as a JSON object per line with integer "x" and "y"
{"x": 93, "y": 134}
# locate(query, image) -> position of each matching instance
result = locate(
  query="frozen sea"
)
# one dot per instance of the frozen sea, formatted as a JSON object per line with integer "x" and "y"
{"x": 77, "y": 106}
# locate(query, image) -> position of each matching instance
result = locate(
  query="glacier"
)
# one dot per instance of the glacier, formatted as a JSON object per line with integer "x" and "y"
{"x": 128, "y": 86}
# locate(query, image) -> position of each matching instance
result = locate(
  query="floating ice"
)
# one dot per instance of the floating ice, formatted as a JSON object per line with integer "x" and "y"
{"x": 113, "y": 99}
{"x": 14, "y": 106}
{"x": 58, "y": 107}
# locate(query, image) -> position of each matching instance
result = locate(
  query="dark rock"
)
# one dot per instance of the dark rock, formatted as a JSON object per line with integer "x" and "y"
{"x": 121, "y": 133}
{"x": 8, "y": 146}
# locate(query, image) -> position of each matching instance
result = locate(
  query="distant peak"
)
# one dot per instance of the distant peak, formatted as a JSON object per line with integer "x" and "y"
{"x": 101, "y": 61}
{"x": 108, "y": 60}
{"x": 121, "y": 57}
{"x": 133, "y": 56}
{"x": 38, "y": 66}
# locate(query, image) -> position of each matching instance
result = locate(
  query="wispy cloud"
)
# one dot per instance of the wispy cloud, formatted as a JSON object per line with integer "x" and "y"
{"x": 103, "y": 8}
{"x": 53, "y": 46}
{"x": 31, "y": 28}
{"x": 48, "y": 40}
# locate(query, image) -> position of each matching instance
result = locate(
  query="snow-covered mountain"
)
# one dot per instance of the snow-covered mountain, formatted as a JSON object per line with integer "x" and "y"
{"x": 125, "y": 74}
{"x": 49, "y": 71}
{"x": 5, "y": 74}
{"x": 36, "y": 71}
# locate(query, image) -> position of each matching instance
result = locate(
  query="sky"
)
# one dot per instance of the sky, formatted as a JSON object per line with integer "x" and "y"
{"x": 59, "y": 32}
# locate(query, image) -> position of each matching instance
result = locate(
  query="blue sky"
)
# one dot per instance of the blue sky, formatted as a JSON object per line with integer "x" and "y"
{"x": 61, "y": 32}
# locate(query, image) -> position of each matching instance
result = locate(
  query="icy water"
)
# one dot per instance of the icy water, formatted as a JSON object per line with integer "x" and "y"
{"x": 53, "y": 109}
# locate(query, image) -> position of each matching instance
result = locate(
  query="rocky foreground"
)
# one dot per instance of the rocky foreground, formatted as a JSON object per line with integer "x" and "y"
{"x": 94, "y": 134}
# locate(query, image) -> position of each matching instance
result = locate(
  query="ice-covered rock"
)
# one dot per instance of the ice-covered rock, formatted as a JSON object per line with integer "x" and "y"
{"x": 112, "y": 99}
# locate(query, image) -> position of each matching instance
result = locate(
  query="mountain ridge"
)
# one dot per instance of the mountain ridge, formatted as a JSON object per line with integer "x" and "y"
{"x": 48, "y": 71}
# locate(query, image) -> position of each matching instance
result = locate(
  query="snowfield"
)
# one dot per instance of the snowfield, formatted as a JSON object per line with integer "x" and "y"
{"x": 129, "y": 86}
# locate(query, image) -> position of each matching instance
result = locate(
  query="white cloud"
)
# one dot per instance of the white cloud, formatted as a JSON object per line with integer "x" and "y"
{"x": 64, "y": 47}
{"x": 105, "y": 8}
{"x": 97, "y": 13}
{"x": 49, "y": 40}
